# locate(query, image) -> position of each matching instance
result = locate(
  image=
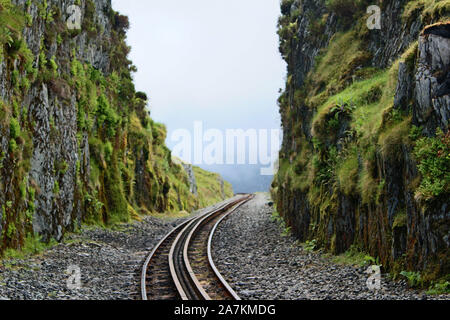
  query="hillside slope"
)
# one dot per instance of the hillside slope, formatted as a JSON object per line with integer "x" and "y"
{"x": 365, "y": 159}
{"x": 77, "y": 143}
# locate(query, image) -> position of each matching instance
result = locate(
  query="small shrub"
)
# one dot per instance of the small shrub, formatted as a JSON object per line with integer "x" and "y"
{"x": 286, "y": 6}
{"x": 354, "y": 256}
{"x": 433, "y": 156}
{"x": 414, "y": 278}
{"x": 415, "y": 133}
{"x": 108, "y": 149}
{"x": 276, "y": 217}
{"x": 53, "y": 64}
{"x": 439, "y": 288}
{"x": 94, "y": 208}
{"x": 347, "y": 173}
{"x": 393, "y": 139}
{"x": 310, "y": 246}
{"x": 14, "y": 46}
{"x": 325, "y": 169}
{"x": 279, "y": 220}
{"x": 121, "y": 23}
{"x": 56, "y": 188}
{"x": 343, "y": 107}
{"x": 286, "y": 232}
{"x": 346, "y": 9}
{"x": 107, "y": 116}
{"x": 76, "y": 68}
{"x": 141, "y": 95}
{"x": 14, "y": 128}
{"x": 32, "y": 245}
{"x": 12, "y": 145}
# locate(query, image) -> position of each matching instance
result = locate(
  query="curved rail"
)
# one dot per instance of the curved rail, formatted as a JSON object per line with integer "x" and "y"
{"x": 210, "y": 258}
{"x": 178, "y": 268}
{"x": 183, "y": 279}
{"x": 151, "y": 256}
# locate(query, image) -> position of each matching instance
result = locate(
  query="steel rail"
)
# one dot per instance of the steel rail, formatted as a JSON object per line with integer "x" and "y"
{"x": 152, "y": 255}
{"x": 183, "y": 278}
{"x": 188, "y": 287}
{"x": 204, "y": 221}
{"x": 209, "y": 249}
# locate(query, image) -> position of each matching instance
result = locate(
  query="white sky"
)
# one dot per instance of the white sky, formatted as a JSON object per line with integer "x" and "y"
{"x": 210, "y": 60}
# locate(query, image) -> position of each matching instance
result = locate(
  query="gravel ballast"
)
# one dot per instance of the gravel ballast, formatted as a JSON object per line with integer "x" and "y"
{"x": 109, "y": 262}
{"x": 260, "y": 263}
{"x": 248, "y": 249}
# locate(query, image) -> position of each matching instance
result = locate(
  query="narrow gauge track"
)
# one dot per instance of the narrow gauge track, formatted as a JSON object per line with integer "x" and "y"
{"x": 181, "y": 265}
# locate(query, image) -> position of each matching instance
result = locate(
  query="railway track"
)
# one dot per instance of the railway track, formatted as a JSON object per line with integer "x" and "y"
{"x": 181, "y": 264}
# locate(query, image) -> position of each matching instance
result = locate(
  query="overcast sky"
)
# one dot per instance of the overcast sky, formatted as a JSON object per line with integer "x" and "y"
{"x": 210, "y": 60}
{"x": 216, "y": 61}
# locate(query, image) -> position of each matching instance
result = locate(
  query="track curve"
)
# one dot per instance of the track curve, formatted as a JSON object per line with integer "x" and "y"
{"x": 181, "y": 265}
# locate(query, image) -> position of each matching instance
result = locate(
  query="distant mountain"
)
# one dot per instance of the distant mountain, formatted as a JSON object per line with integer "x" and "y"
{"x": 244, "y": 178}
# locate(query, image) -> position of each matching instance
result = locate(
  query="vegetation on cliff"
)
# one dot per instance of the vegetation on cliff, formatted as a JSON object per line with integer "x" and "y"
{"x": 357, "y": 169}
{"x": 77, "y": 142}
{"x": 211, "y": 187}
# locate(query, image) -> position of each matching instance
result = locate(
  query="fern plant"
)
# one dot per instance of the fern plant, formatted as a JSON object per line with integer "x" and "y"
{"x": 414, "y": 278}
{"x": 310, "y": 246}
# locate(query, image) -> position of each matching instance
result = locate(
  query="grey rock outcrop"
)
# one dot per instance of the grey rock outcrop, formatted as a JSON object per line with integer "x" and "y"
{"x": 188, "y": 168}
{"x": 52, "y": 109}
{"x": 55, "y": 135}
{"x": 395, "y": 36}
{"x": 405, "y": 86}
{"x": 191, "y": 177}
{"x": 433, "y": 98}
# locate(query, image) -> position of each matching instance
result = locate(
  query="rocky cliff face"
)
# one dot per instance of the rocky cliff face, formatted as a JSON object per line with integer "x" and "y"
{"x": 364, "y": 161}
{"x": 77, "y": 143}
{"x": 432, "y": 87}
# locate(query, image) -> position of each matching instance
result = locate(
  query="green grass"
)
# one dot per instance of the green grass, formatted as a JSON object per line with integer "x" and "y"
{"x": 368, "y": 113}
{"x": 11, "y": 25}
{"x": 392, "y": 139}
{"x": 400, "y": 220}
{"x": 209, "y": 188}
{"x": 375, "y": 123}
{"x": 430, "y": 11}
{"x": 439, "y": 288}
{"x": 371, "y": 96}
{"x": 286, "y": 230}
{"x": 32, "y": 246}
{"x": 414, "y": 278}
{"x": 336, "y": 66}
{"x": 347, "y": 172}
{"x": 355, "y": 257}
